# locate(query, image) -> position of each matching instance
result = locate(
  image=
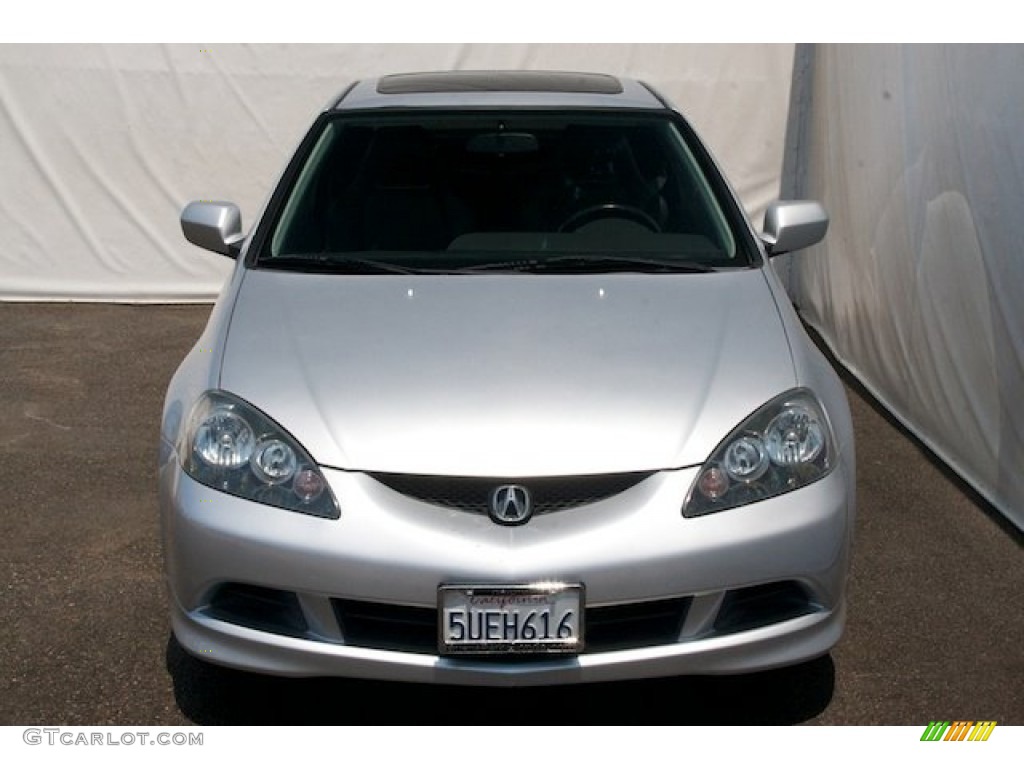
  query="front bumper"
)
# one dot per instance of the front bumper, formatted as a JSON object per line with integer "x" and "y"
{"x": 390, "y": 550}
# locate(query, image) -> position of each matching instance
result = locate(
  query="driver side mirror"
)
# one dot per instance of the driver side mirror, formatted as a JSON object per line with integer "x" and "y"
{"x": 793, "y": 224}
{"x": 215, "y": 226}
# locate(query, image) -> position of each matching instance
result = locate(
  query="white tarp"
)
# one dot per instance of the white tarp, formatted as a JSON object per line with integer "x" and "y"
{"x": 102, "y": 145}
{"x": 918, "y": 152}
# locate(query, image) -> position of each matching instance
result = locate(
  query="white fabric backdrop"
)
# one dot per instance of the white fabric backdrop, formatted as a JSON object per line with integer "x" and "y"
{"x": 102, "y": 145}
{"x": 918, "y": 153}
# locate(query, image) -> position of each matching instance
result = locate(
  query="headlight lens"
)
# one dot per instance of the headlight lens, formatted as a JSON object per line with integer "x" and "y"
{"x": 224, "y": 439}
{"x": 274, "y": 462}
{"x": 745, "y": 459}
{"x": 786, "y": 444}
{"x": 796, "y": 436}
{"x": 231, "y": 446}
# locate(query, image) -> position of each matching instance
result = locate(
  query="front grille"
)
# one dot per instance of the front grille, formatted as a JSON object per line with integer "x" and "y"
{"x": 472, "y": 494}
{"x": 387, "y": 627}
{"x": 635, "y": 625}
{"x": 414, "y": 630}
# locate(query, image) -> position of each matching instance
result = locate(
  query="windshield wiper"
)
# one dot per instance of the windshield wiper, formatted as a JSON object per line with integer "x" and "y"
{"x": 620, "y": 262}
{"x": 589, "y": 263}
{"x": 339, "y": 265}
{"x": 517, "y": 265}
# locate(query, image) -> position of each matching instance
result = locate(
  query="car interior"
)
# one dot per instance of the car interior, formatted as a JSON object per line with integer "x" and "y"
{"x": 552, "y": 186}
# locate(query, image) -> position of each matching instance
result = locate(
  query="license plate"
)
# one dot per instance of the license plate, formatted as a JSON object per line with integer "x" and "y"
{"x": 533, "y": 618}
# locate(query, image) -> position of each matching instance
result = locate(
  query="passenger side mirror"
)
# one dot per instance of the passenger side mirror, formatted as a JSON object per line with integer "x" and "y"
{"x": 215, "y": 226}
{"x": 793, "y": 224}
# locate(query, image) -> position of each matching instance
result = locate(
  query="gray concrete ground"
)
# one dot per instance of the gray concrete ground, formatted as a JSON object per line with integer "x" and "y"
{"x": 935, "y": 622}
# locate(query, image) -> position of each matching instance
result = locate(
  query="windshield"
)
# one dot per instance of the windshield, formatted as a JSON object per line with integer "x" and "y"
{"x": 518, "y": 191}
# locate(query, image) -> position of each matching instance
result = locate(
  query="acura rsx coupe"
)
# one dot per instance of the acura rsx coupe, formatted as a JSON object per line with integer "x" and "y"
{"x": 504, "y": 390}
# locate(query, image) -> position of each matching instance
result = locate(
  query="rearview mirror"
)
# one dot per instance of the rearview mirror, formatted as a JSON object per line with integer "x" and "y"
{"x": 215, "y": 226}
{"x": 793, "y": 224}
{"x": 503, "y": 143}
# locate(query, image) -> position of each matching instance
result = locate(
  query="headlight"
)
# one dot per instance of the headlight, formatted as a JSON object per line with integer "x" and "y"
{"x": 231, "y": 446}
{"x": 784, "y": 445}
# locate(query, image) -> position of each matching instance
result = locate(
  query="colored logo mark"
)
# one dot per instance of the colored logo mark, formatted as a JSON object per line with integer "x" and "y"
{"x": 958, "y": 730}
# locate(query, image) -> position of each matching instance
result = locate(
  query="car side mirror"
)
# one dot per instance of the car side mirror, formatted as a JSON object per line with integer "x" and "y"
{"x": 790, "y": 225}
{"x": 215, "y": 226}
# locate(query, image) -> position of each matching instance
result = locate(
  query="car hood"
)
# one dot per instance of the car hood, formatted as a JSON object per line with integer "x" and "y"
{"x": 507, "y": 375}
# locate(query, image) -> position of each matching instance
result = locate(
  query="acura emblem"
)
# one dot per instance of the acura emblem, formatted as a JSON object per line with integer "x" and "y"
{"x": 510, "y": 505}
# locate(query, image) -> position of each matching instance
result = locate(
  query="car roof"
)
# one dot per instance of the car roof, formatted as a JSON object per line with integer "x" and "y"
{"x": 499, "y": 88}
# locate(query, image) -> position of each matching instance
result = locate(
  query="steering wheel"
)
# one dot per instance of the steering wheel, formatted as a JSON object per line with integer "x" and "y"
{"x": 609, "y": 211}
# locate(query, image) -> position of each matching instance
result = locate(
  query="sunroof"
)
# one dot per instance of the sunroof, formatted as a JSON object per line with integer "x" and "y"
{"x": 463, "y": 81}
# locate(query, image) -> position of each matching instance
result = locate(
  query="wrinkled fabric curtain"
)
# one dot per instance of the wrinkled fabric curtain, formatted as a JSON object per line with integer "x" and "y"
{"x": 918, "y": 152}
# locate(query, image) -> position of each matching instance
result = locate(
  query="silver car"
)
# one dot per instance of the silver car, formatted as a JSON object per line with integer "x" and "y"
{"x": 504, "y": 390}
